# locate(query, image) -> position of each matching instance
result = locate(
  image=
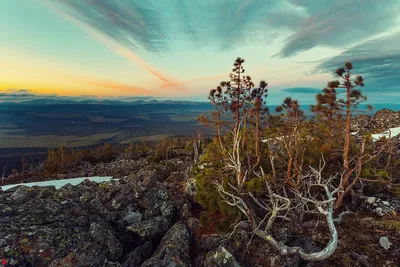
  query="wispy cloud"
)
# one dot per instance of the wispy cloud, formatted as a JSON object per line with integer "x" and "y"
{"x": 156, "y": 25}
{"x": 75, "y": 12}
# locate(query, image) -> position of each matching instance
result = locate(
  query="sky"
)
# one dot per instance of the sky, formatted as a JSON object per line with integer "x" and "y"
{"x": 180, "y": 49}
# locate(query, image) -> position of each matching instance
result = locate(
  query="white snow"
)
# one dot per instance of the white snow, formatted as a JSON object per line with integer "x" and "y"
{"x": 60, "y": 183}
{"x": 392, "y": 132}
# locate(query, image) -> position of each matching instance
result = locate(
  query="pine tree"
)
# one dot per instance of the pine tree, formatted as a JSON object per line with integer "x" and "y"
{"x": 291, "y": 138}
{"x": 238, "y": 93}
{"x": 353, "y": 97}
{"x": 218, "y": 102}
{"x": 327, "y": 102}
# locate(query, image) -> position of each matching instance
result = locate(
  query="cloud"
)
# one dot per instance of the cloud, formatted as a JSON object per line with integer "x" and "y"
{"x": 340, "y": 23}
{"x": 301, "y": 90}
{"x": 70, "y": 10}
{"x": 113, "y": 85}
{"x": 377, "y": 60}
{"x": 156, "y": 26}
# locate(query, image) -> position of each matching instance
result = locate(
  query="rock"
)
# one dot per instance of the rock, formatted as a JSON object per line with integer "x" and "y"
{"x": 139, "y": 255}
{"x": 156, "y": 202}
{"x": 209, "y": 242}
{"x": 173, "y": 250}
{"x": 360, "y": 123}
{"x": 371, "y": 200}
{"x": 115, "y": 204}
{"x": 92, "y": 224}
{"x": 133, "y": 217}
{"x": 148, "y": 177}
{"x": 104, "y": 236}
{"x": 192, "y": 224}
{"x": 185, "y": 211}
{"x": 360, "y": 258}
{"x": 220, "y": 258}
{"x": 47, "y": 191}
{"x": 86, "y": 255}
{"x": 150, "y": 228}
{"x": 384, "y": 242}
{"x": 22, "y": 194}
{"x": 191, "y": 188}
{"x": 377, "y": 206}
{"x": 382, "y": 119}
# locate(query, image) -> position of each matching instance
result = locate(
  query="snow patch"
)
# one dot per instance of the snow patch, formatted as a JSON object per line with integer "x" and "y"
{"x": 60, "y": 183}
{"x": 392, "y": 132}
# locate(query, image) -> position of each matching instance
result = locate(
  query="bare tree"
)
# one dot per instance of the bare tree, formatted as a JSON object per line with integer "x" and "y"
{"x": 277, "y": 204}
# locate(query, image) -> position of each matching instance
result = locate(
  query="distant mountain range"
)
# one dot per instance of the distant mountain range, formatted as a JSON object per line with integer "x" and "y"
{"x": 58, "y": 101}
{"x": 49, "y": 101}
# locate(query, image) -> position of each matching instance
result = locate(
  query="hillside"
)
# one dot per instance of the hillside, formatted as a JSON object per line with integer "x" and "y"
{"x": 150, "y": 218}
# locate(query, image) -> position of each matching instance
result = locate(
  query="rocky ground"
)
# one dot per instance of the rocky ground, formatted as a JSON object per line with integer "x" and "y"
{"x": 120, "y": 223}
{"x": 146, "y": 219}
{"x": 382, "y": 119}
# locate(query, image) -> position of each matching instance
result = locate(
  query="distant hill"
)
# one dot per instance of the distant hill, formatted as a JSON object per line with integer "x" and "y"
{"x": 53, "y": 122}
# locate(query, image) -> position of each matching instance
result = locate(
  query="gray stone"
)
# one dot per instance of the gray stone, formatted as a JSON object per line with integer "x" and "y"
{"x": 133, "y": 217}
{"x": 150, "y": 228}
{"x": 371, "y": 200}
{"x": 384, "y": 242}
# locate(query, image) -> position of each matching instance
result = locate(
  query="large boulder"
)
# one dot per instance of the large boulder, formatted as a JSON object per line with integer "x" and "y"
{"x": 104, "y": 237}
{"x": 139, "y": 255}
{"x": 173, "y": 250}
{"x": 22, "y": 194}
